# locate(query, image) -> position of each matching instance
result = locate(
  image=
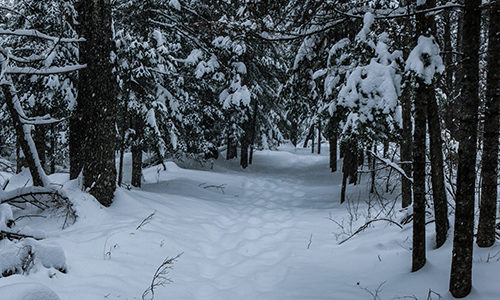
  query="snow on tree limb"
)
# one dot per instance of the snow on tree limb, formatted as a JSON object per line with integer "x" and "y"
{"x": 37, "y": 34}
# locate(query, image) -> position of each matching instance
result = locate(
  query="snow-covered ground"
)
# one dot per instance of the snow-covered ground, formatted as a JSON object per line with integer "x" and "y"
{"x": 260, "y": 233}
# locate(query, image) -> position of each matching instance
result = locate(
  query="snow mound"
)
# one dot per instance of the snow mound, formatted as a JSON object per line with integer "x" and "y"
{"x": 26, "y": 255}
{"x": 27, "y": 291}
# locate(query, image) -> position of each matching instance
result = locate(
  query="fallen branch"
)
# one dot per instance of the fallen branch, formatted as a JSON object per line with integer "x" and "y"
{"x": 366, "y": 225}
{"x": 16, "y": 236}
{"x": 34, "y": 195}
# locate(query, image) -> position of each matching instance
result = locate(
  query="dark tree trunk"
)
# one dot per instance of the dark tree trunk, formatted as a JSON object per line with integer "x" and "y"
{"x": 406, "y": 104}
{"x": 309, "y": 136}
{"x": 386, "y": 149}
{"x": 437, "y": 177}
{"x": 136, "y": 166}
{"x": 137, "y": 148}
{"x": 372, "y": 162}
{"x": 52, "y": 150}
{"x": 92, "y": 130}
{"x": 418, "y": 251}
{"x": 319, "y": 136}
{"x": 312, "y": 138}
{"x": 333, "y": 153}
{"x": 253, "y": 133}
{"x": 424, "y": 94}
{"x": 244, "y": 154}
{"x": 232, "y": 150}
{"x": 344, "y": 186}
{"x": 406, "y": 148}
{"x": 122, "y": 142}
{"x": 461, "y": 265}
{"x": 489, "y": 171}
{"x": 120, "y": 166}
{"x": 294, "y": 133}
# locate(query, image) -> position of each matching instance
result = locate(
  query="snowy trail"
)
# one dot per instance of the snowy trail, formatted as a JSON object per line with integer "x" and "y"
{"x": 256, "y": 234}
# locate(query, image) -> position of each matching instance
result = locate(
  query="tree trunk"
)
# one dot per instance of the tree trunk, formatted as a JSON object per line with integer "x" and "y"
{"x": 437, "y": 177}
{"x": 424, "y": 94}
{"x": 92, "y": 130}
{"x": 136, "y": 166}
{"x": 418, "y": 251}
{"x": 406, "y": 105}
{"x": 489, "y": 171}
{"x": 253, "y": 134}
{"x": 122, "y": 142}
{"x": 52, "y": 150}
{"x": 309, "y": 136}
{"x": 137, "y": 124}
{"x": 344, "y": 186}
{"x": 319, "y": 136}
{"x": 333, "y": 153}
{"x": 461, "y": 265}
{"x": 232, "y": 150}
{"x": 312, "y": 139}
{"x": 372, "y": 162}
{"x": 23, "y": 133}
{"x": 244, "y": 154}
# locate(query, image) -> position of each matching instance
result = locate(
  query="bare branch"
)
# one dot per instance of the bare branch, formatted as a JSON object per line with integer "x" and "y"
{"x": 367, "y": 224}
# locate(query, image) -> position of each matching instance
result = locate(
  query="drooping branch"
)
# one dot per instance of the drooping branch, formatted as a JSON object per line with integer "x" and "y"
{"x": 391, "y": 165}
{"x": 40, "y": 197}
{"x": 367, "y": 224}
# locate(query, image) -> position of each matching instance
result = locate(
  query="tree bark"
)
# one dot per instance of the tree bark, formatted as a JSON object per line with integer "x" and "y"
{"x": 137, "y": 124}
{"x": 461, "y": 266}
{"x": 52, "y": 150}
{"x": 344, "y": 186}
{"x": 312, "y": 139}
{"x": 418, "y": 251}
{"x": 232, "y": 150}
{"x": 136, "y": 166}
{"x": 437, "y": 177}
{"x": 333, "y": 153}
{"x": 92, "y": 131}
{"x": 319, "y": 136}
{"x": 423, "y": 92}
{"x": 406, "y": 152}
{"x": 489, "y": 170}
{"x": 244, "y": 153}
{"x": 253, "y": 134}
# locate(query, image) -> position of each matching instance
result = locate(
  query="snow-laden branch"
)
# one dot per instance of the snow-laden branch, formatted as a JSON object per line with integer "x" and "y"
{"x": 293, "y": 36}
{"x": 43, "y": 71}
{"x": 37, "y": 34}
{"x": 392, "y": 165}
{"x": 401, "y": 12}
{"x": 43, "y": 120}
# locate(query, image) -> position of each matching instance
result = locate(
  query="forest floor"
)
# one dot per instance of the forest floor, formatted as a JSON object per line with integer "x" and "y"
{"x": 259, "y": 234}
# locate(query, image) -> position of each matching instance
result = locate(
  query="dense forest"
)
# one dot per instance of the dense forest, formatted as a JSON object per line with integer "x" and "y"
{"x": 401, "y": 97}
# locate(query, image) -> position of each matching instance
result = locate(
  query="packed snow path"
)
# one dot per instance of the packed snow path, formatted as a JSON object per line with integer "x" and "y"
{"x": 262, "y": 233}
